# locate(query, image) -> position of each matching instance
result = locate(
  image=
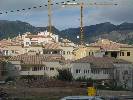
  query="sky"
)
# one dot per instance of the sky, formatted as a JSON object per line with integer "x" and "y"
{"x": 69, "y": 16}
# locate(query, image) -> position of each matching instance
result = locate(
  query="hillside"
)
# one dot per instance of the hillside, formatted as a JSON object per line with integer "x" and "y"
{"x": 13, "y": 28}
{"x": 121, "y": 33}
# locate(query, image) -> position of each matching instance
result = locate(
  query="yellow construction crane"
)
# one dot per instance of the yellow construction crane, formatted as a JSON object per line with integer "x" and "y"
{"x": 81, "y": 14}
{"x": 49, "y": 16}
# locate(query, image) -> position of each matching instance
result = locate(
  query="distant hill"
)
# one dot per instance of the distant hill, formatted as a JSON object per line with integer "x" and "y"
{"x": 13, "y": 28}
{"x": 121, "y": 33}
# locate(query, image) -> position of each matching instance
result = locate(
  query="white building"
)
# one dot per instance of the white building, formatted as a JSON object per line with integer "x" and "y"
{"x": 39, "y": 39}
{"x": 104, "y": 68}
{"x": 57, "y": 48}
{"x": 96, "y": 68}
{"x": 35, "y": 65}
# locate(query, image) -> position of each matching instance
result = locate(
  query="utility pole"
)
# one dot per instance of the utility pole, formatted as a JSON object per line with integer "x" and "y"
{"x": 49, "y": 17}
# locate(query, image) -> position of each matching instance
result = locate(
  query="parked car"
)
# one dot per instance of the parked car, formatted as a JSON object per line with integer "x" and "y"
{"x": 82, "y": 98}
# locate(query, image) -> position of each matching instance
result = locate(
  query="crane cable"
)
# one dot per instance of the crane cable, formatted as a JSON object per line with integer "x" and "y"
{"x": 35, "y": 7}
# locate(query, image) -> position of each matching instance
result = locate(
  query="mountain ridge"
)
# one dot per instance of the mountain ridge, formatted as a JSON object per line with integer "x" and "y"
{"x": 122, "y": 32}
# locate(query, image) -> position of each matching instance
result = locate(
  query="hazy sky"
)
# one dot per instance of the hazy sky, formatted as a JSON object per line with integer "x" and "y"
{"x": 69, "y": 16}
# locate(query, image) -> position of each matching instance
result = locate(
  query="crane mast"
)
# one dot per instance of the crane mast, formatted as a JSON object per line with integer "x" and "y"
{"x": 81, "y": 24}
{"x": 49, "y": 17}
{"x": 81, "y": 4}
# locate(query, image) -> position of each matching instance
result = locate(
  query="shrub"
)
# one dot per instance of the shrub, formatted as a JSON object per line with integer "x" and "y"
{"x": 64, "y": 75}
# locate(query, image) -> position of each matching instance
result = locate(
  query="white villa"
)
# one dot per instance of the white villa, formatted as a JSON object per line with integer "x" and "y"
{"x": 39, "y": 39}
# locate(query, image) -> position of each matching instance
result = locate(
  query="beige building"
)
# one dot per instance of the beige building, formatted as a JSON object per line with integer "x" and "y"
{"x": 56, "y": 48}
{"x": 35, "y": 49}
{"x": 11, "y": 48}
{"x": 126, "y": 53}
{"x": 80, "y": 52}
{"x": 116, "y": 50}
{"x": 35, "y": 65}
{"x": 105, "y": 47}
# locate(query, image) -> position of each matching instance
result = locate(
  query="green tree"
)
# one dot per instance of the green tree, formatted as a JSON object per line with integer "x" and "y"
{"x": 64, "y": 75}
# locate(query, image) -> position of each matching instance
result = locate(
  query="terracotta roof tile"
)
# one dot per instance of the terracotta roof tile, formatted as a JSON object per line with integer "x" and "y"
{"x": 35, "y": 59}
{"x": 108, "y": 45}
{"x": 104, "y": 62}
{"x": 52, "y": 46}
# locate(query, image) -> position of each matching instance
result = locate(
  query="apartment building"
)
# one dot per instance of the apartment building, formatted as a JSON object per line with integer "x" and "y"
{"x": 105, "y": 47}
{"x": 35, "y": 65}
{"x": 39, "y": 39}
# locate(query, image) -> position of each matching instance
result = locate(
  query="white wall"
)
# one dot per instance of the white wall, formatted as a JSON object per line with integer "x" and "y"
{"x": 46, "y": 70}
{"x": 86, "y": 71}
{"x": 81, "y": 67}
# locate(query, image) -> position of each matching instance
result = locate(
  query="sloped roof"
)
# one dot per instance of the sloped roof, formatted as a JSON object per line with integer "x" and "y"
{"x": 37, "y": 36}
{"x": 108, "y": 45}
{"x": 101, "y": 62}
{"x": 4, "y": 43}
{"x": 52, "y": 46}
{"x": 35, "y": 59}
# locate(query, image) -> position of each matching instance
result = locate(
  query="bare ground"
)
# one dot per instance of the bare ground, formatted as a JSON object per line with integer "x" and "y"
{"x": 58, "y": 92}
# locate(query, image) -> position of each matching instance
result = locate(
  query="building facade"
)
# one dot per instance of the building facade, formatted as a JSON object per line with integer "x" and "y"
{"x": 105, "y": 47}
{"x": 39, "y": 39}
{"x": 35, "y": 65}
{"x": 124, "y": 75}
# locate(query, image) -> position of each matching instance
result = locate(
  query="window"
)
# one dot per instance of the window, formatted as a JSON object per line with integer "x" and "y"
{"x": 40, "y": 68}
{"x": 34, "y": 69}
{"x": 55, "y": 52}
{"x": 85, "y": 71}
{"x": 51, "y": 68}
{"x": 95, "y": 71}
{"x": 128, "y": 53}
{"x": 27, "y": 43}
{"x": 63, "y": 52}
{"x": 13, "y": 51}
{"x": 122, "y": 53}
{"x": 68, "y": 52}
{"x": 45, "y": 68}
{"x": 77, "y": 70}
{"x": 37, "y": 68}
{"x": 106, "y": 71}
